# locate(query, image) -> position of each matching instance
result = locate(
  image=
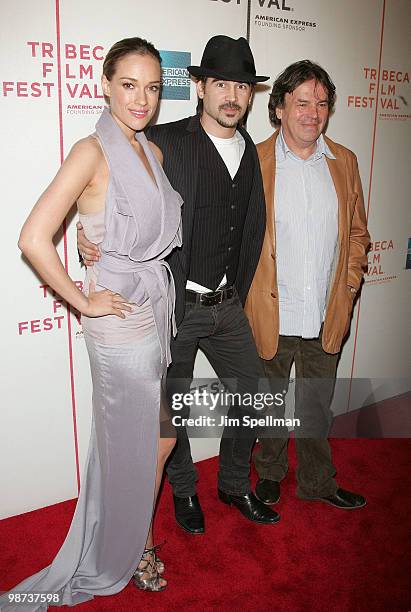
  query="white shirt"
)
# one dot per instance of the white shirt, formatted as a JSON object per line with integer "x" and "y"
{"x": 231, "y": 151}
{"x": 306, "y": 221}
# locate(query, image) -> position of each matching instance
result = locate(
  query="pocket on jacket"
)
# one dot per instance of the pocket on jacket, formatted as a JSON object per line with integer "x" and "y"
{"x": 123, "y": 231}
{"x": 350, "y": 298}
{"x": 350, "y": 305}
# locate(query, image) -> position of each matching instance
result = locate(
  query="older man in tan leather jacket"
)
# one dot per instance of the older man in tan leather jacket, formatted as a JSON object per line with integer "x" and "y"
{"x": 311, "y": 267}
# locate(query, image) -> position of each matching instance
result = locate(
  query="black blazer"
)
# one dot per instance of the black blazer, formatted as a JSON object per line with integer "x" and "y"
{"x": 179, "y": 143}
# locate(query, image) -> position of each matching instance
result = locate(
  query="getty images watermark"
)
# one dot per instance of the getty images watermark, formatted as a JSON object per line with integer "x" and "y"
{"x": 326, "y": 407}
{"x": 207, "y": 406}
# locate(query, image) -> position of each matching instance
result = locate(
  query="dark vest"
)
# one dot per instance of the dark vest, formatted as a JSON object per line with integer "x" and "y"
{"x": 220, "y": 211}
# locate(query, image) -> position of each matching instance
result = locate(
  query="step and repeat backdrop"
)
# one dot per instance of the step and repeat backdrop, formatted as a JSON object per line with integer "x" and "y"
{"x": 51, "y": 60}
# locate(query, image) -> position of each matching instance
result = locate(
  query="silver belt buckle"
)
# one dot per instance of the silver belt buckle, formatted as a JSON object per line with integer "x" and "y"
{"x": 204, "y": 297}
{"x": 215, "y": 296}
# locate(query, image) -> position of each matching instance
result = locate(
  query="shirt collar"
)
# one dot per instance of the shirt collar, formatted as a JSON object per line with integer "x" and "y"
{"x": 282, "y": 149}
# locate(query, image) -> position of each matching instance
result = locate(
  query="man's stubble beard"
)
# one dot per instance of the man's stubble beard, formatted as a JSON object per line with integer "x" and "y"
{"x": 225, "y": 124}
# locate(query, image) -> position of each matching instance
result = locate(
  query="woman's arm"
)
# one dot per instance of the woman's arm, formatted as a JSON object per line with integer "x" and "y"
{"x": 36, "y": 238}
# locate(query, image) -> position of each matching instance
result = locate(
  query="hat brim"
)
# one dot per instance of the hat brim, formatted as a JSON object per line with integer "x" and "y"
{"x": 239, "y": 77}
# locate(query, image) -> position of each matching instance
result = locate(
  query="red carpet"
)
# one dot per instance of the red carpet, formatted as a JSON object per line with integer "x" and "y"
{"x": 317, "y": 558}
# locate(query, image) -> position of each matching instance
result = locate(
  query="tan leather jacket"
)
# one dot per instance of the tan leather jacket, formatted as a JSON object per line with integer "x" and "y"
{"x": 349, "y": 265}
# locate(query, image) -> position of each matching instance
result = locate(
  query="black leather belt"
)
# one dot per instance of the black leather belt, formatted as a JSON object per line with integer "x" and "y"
{"x": 210, "y": 299}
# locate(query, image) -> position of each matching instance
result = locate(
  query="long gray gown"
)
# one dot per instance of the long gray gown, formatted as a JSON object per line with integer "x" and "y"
{"x": 128, "y": 360}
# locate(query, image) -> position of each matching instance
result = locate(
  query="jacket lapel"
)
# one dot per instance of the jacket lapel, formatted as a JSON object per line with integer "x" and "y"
{"x": 189, "y": 173}
{"x": 338, "y": 174}
{"x": 266, "y": 154}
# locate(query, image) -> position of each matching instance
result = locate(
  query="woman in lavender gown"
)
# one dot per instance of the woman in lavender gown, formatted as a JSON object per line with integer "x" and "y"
{"x": 127, "y": 205}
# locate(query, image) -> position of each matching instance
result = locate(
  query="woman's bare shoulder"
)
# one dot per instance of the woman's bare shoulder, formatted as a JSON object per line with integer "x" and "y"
{"x": 86, "y": 153}
{"x": 88, "y": 146}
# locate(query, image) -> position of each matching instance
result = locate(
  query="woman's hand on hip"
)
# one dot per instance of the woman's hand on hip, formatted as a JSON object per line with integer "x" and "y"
{"x": 106, "y": 302}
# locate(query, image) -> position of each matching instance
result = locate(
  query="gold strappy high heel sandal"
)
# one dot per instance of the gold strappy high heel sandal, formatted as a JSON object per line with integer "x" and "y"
{"x": 147, "y": 576}
{"x": 159, "y": 562}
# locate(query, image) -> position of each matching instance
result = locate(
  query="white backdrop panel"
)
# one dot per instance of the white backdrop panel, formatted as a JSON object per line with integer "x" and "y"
{"x": 36, "y": 432}
{"x": 384, "y": 339}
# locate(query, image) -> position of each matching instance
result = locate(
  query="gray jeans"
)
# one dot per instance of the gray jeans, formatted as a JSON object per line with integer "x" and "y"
{"x": 223, "y": 333}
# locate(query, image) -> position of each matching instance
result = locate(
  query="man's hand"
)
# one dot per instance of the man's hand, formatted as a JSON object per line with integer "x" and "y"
{"x": 88, "y": 250}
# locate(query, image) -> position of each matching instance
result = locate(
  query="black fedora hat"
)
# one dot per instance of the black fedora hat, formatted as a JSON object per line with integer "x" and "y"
{"x": 228, "y": 59}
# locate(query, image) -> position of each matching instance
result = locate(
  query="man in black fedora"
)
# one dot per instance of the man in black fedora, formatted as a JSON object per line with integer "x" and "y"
{"x": 211, "y": 160}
